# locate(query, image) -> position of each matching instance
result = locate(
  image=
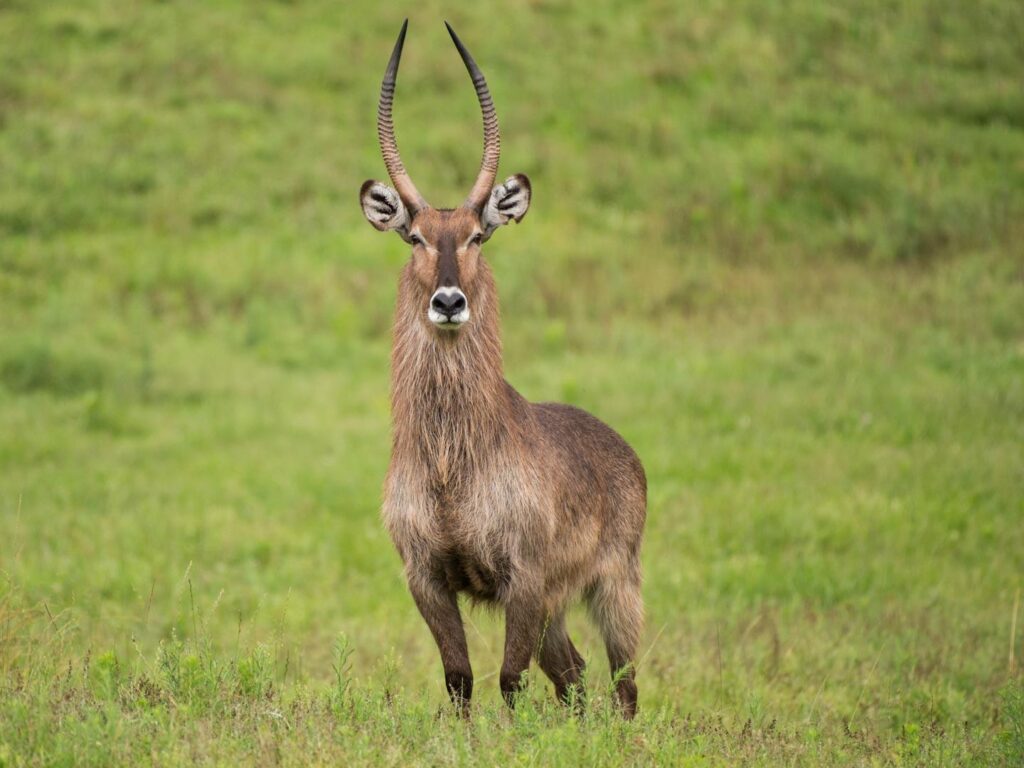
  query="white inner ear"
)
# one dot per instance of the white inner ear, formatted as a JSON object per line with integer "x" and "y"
{"x": 383, "y": 208}
{"x": 509, "y": 201}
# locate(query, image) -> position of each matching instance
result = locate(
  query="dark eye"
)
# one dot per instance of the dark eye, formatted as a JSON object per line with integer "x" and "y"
{"x": 477, "y": 238}
{"x": 415, "y": 239}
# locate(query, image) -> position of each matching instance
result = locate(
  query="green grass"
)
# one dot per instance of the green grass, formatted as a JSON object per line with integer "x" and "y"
{"x": 777, "y": 246}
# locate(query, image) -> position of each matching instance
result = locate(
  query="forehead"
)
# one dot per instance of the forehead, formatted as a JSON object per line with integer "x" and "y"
{"x": 435, "y": 222}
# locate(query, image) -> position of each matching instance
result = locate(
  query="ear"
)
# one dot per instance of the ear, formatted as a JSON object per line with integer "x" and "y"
{"x": 384, "y": 209}
{"x": 509, "y": 201}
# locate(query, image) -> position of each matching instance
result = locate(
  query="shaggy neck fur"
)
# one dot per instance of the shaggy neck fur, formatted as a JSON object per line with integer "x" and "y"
{"x": 451, "y": 408}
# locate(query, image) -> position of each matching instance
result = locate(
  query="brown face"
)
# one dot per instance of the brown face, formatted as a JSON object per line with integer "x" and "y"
{"x": 445, "y": 256}
{"x": 445, "y": 243}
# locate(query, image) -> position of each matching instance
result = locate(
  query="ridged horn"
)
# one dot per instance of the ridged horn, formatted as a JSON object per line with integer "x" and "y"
{"x": 492, "y": 137}
{"x": 386, "y": 132}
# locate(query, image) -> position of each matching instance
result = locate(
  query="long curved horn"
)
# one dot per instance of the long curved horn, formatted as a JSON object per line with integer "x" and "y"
{"x": 492, "y": 137}
{"x": 386, "y": 132}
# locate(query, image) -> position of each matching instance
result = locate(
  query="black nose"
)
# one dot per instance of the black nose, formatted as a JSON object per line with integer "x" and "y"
{"x": 448, "y": 304}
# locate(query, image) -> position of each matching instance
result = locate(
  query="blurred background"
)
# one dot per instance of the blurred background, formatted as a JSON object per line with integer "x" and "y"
{"x": 776, "y": 245}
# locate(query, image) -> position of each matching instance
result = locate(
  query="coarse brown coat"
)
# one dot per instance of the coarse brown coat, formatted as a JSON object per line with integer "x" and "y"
{"x": 520, "y": 505}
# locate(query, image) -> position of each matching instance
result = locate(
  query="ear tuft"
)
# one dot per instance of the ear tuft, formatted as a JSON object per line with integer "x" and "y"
{"x": 509, "y": 201}
{"x": 383, "y": 207}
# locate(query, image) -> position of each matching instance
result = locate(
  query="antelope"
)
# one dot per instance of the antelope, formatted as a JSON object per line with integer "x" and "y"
{"x": 523, "y": 506}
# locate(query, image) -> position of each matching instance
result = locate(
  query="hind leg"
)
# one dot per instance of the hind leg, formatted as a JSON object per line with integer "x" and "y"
{"x": 560, "y": 660}
{"x": 617, "y": 608}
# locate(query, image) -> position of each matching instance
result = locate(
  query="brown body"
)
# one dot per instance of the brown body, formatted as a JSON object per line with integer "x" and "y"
{"x": 526, "y": 506}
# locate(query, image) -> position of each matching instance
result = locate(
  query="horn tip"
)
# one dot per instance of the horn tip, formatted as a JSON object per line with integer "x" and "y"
{"x": 396, "y": 54}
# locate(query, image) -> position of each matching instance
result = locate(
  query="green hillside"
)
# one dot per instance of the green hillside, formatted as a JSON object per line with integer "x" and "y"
{"x": 778, "y": 246}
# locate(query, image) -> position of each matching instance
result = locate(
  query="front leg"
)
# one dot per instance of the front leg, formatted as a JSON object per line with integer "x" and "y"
{"x": 524, "y": 625}
{"x": 439, "y": 607}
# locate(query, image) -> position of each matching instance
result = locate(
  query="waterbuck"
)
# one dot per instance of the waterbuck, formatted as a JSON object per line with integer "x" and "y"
{"x": 527, "y": 506}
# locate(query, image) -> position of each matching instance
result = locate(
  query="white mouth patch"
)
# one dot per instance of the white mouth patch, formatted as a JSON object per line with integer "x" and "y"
{"x": 443, "y": 321}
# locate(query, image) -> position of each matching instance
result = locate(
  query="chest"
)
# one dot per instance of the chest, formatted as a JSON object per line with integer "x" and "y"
{"x": 472, "y": 528}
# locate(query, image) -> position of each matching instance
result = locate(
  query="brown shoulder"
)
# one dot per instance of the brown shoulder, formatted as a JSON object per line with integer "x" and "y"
{"x": 583, "y": 435}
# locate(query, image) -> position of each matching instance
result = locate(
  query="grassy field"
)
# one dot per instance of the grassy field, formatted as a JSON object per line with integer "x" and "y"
{"x": 777, "y": 246}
